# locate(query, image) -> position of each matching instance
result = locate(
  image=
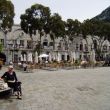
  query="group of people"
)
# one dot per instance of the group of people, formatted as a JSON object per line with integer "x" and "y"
{"x": 25, "y": 66}
{"x": 11, "y": 79}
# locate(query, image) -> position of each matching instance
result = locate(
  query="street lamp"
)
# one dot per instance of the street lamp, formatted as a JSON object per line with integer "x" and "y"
{"x": 30, "y": 33}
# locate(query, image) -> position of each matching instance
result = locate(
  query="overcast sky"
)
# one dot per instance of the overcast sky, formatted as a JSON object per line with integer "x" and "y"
{"x": 75, "y": 9}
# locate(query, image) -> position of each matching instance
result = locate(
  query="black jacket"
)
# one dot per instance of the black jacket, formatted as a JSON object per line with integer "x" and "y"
{"x": 9, "y": 77}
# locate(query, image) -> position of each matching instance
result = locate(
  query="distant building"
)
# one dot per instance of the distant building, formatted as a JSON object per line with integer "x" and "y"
{"x": 20, "y": 43}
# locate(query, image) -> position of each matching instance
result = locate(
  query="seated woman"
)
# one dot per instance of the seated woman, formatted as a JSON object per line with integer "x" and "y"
{"x": 11, "y": 79}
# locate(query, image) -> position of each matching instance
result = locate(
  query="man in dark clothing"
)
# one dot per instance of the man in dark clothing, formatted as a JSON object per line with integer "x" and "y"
{"x": 10, "y": 78}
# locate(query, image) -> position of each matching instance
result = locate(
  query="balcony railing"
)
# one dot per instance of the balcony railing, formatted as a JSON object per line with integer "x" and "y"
{"x": 18, "y": 47}
{"x": 47, "y": 47}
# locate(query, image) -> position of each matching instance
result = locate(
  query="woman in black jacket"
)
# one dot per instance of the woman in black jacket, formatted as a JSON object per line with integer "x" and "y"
{"x": 11, "y": 79}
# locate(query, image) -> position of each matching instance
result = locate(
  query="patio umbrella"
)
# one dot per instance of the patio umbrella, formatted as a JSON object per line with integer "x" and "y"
{"x": 56, "y": 56}
{"x": 44, "y": 56}
{"x": 71, "y": 57}
{"x": 50, "y": 57}
{"x": 65, "y": 56}
{"x": 30, "y": 57}
{"x": 36, "y": 57}
{"x": 22, "y": 57}
{"x": 53, "y": 56}
{"x": 59, "y": 57}
{"x": 93, "y": 56}
{"x": 82, "y": 56}
{"x": 74, "y": 55}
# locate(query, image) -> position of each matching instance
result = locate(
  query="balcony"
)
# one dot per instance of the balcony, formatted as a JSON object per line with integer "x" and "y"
{"x": 13, "y": 47}
{"x": 18, "y": 47}
{"x": 59, "y": 47}
{"x": 47, "y": 47}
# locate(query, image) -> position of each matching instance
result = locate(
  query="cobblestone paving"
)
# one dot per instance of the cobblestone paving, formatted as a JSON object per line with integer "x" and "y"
{"x": 78, "y": 89}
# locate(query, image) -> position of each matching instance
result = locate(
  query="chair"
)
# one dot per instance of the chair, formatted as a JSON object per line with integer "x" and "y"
{"x": 16, "y": 88}
{"x": 19, "y": 90}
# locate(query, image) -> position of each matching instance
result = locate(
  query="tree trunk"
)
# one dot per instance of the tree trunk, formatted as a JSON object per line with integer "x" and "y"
{"x": 86, "y": 42}
{"x": 53, "y": 43}
{"x": 31, "y": 42}
{"x": 40, "y": 44}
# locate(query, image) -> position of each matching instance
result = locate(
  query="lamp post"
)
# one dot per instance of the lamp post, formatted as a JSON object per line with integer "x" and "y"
{"x": 67, "y": 45}
{"x": 30, "y": 33}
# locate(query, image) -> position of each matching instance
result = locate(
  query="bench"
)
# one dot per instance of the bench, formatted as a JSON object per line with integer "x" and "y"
{"x": 5, "y": 92}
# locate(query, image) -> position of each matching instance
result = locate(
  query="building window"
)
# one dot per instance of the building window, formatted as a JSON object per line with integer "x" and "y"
{"x": 15, "y": 44}
{"x": 51, "y": 44}
{"x": 105, "y": 48}
{"x": 86, "y": 48}
{"x": 15, "y": 58}
{"x": 21, "y": 42}
{"x": 29, "y": 44}
{"x": 2, "y": 41}
{"x": 63, "y": 57}
{"x": 45, "y": 43}
{"x": 68, "y": 57}
{"x": 81, "y": 47}
{"x": 95, "y": 44}
{"x": 91, "y": 46}
{"x": 59, "y": 45}
{"x": 66, "y": 46}
{"x": 77, "y": 47}
{"x": 109, "y": 48}
{"x": 80, "y": 56}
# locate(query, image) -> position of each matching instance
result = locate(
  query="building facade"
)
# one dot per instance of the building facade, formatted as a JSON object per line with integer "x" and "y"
{"x": 19, "y": 45}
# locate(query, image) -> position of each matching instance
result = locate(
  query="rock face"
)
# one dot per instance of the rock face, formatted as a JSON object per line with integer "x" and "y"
{"x": 104, "y": 16}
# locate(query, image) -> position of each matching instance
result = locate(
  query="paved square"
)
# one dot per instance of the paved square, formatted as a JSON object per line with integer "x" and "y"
{"x": 78, "y": 89}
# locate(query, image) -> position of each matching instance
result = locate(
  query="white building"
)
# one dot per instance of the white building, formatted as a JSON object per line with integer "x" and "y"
{"x": 20, "y": 43}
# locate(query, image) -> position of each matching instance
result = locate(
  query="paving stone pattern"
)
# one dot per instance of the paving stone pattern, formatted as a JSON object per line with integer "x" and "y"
{"x": 78, "y": 89}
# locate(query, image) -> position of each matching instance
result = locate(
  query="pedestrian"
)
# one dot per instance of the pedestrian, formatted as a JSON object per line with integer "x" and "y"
{"x": 20, "y": 65}
{"x": 11, "y": 63}
{"x": 25, "y": 66}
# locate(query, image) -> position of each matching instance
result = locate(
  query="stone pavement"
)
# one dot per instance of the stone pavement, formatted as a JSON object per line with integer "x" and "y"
{"x": 78, "y": 89}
